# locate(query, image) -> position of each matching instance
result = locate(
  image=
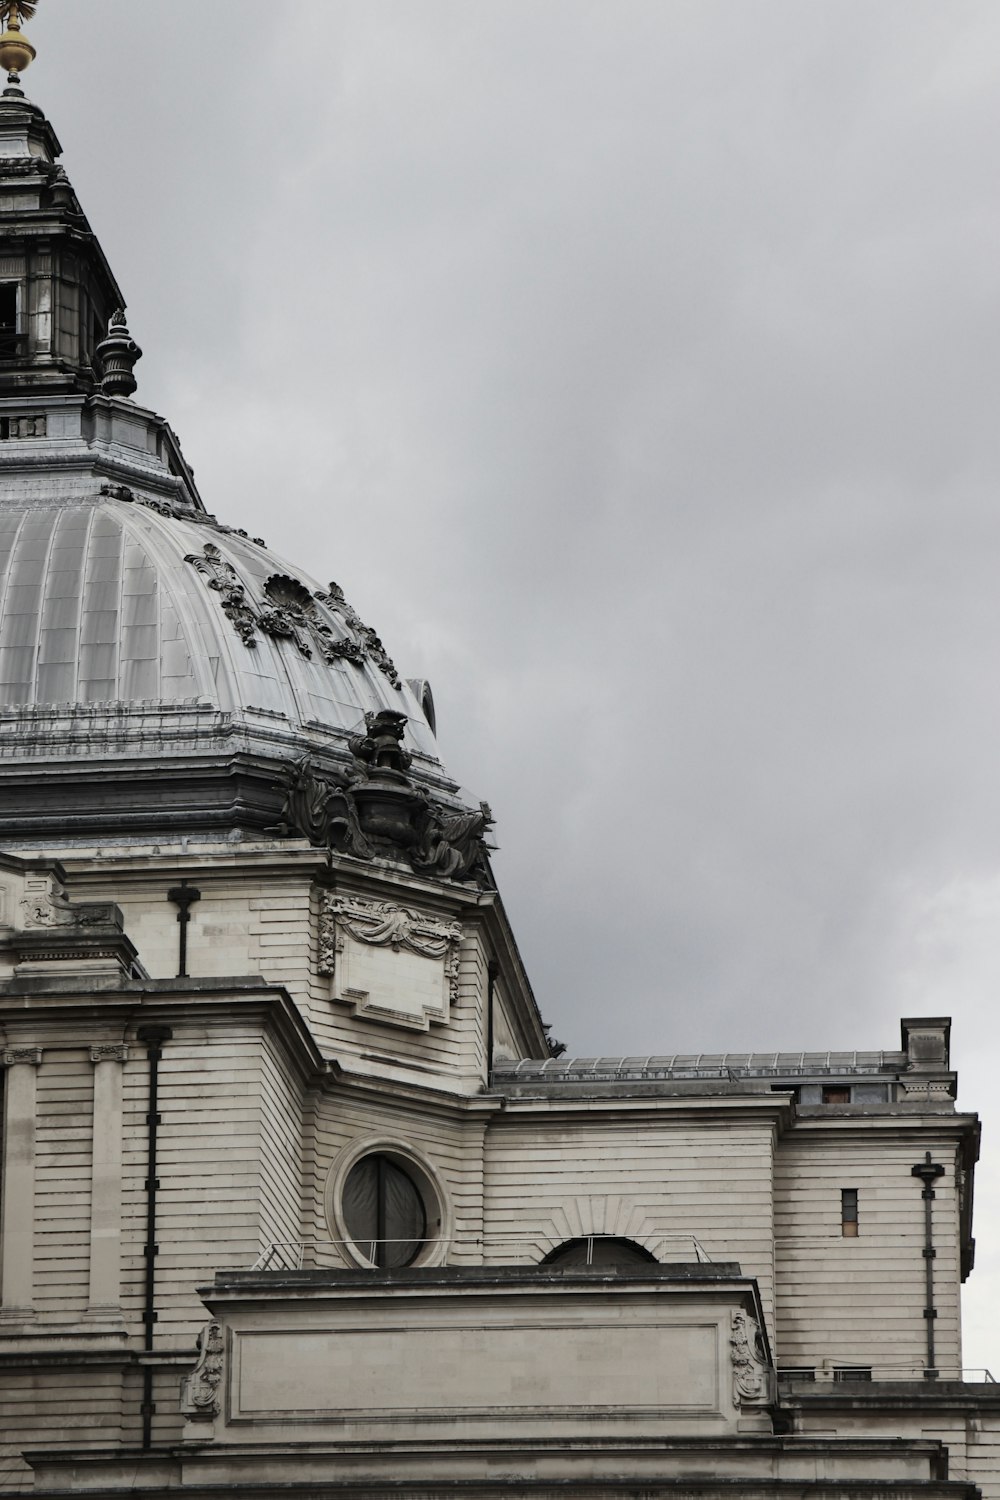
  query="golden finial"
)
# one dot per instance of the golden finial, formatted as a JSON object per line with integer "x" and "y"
{"x": 16, "y": 52}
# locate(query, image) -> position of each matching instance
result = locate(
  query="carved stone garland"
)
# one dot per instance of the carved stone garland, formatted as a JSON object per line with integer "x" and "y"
{"x": 289, "y": 612}
{"x": 222, "y": 576}
{"x": 177, "y": 511}
{"x": 366, "y": 643}
{"x": 414, "y": 982}
{"x": 380, "y": 924}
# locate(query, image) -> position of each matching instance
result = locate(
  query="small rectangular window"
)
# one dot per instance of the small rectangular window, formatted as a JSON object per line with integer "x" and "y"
{"x": 837, "y": 1095}
{"x": 8, "y": 320}
{"x": 797, "y": 1372}
{"x": 854, "y": 1373}
{"x": 849, "y": 1213}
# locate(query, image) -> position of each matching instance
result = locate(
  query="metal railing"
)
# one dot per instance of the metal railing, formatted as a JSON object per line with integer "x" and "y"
{"x": 486, "y": 1250}
{"x": 874, "y": 1371}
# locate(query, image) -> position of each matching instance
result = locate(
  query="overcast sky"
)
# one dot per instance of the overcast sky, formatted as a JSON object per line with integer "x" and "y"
{"x": 633, "y": 366}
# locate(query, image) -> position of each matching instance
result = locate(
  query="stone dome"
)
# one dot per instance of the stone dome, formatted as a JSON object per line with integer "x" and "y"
{"x": 163, "y": 675}
{"x": 126, "y": 610}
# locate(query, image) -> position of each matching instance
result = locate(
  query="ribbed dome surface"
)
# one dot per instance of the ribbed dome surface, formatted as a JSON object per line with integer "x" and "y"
{"x": 107, "y": 601}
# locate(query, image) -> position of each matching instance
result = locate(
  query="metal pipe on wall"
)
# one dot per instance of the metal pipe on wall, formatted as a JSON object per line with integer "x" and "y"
{"x": 154, "y": 1038}
{"x": 928, "y": 1172}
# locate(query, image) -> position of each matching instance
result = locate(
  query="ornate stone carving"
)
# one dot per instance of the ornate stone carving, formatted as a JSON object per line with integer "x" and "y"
{"x": 451, "y": 842}
{"x": 117, "y": 356}
{"x": 288, "y": 610}
{"x": 751, "y": 1384}
{"x": 399, "y": 993}
{"x": 30, "y": 1055}
{"x": 174, "y": 510}
{"x": 323, "y": 809}
{"x": 200, "y": 1392}
{"x": 48, "y": 906}
{"x": 222, "y": 576}
{"x": 291, "y": 613}
{"x": 287, "y": 613}
{"x": 377, "y": 810}
{"x": 555, "y": 1046}
{"x": 380, "y": 748}
{"x": 329, "y": 942}
{"x": 118, "y": 492}
{"x": 383, "y": 925}
{"x": 110, "y": 1052}
{"x": 36, "y": 913}
{"x": 365, "y": 643}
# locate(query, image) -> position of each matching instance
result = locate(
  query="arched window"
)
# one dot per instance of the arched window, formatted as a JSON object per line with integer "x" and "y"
{"x": 604, "y": 1251}
{"x": 384, "y": 1211}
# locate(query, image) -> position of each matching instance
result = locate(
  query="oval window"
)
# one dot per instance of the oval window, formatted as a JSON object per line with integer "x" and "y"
{"x": 384, "y": 1212}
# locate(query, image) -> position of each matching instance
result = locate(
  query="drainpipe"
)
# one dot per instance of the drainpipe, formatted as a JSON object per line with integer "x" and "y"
{"x": 929, "y": 1171}
{"x": 492, "y": 974}
{"x": 183, "y": 897}
{"x": 154, "y": 1037}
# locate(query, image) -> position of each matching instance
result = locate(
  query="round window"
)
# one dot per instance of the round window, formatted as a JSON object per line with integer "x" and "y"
{"x": 384, "y": 1212}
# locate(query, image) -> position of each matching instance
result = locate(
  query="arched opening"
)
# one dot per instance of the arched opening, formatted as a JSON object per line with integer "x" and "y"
{"x": 606, "y": 1252}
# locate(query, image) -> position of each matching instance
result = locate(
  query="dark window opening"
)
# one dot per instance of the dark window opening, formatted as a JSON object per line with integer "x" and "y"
{"x": 797, "y": 1372}
{"x": 384, "y": 1212}
{"x": 836, "y": 1095}
{"x": 10, "y": 339}
{"x": 22, "y": 427}
{"x": 849, "y": 1213}
{"x": 849, "y": 1376}
{"x": 606, "y": 1251}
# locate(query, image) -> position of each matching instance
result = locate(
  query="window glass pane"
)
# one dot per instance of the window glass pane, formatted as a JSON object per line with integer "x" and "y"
{"x": 849, "y": 1212}
{"x": 606, "y": 1251}
{"x": 405, "y": 1224}
{"x": 361, "y": 1205}
{"x": 384, "y": 1212}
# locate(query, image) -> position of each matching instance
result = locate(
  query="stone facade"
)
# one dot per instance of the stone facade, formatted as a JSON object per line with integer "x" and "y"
{"x": 296, "y": 1198}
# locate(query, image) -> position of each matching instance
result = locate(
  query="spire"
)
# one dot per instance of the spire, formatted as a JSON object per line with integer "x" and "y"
{"x": 58, "y": 298}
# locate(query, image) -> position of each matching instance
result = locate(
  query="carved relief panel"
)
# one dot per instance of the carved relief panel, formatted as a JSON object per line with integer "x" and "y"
{"x": 390, "y": 963}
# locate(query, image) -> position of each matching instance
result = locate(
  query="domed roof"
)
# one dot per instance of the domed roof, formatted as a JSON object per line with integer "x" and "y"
{"x": 162, "y": 674}
{"x": 108, "y": 601}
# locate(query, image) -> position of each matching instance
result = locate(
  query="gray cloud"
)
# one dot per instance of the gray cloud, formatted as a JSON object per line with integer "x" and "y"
{"x": 632, "y": 366}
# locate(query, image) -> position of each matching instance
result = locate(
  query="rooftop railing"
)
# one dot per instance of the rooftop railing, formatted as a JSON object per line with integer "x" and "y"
{"x": 485, "y": 1250}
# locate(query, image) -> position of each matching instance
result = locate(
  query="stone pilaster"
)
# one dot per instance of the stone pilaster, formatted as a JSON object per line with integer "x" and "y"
{"x": 104, "y": 1300}
{"x": 17, "y": 1195}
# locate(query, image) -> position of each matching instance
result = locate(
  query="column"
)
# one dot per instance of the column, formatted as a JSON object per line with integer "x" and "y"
{"x": 104, "y": 1300}
{"x": 17, "y": 1200}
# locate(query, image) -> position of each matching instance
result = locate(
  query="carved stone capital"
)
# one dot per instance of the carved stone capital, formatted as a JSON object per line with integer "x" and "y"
{"x": 111, "y": 1052}
{"x": 12, "y": 1056}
